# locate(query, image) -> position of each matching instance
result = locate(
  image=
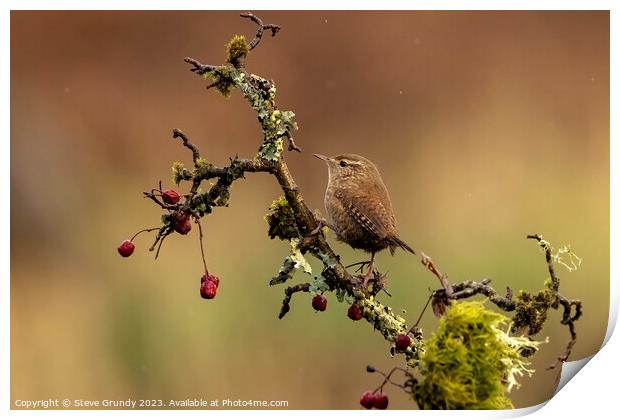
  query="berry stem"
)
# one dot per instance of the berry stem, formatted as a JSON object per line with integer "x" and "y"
{"x": 202, "y": 250}
{"x": 141, "y": 231}
{"x": 422, "y": 313}
{"x": 387, "y": 378}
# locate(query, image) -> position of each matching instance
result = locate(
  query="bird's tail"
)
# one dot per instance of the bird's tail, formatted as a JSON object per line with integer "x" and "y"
{"x": 399, "y": 242}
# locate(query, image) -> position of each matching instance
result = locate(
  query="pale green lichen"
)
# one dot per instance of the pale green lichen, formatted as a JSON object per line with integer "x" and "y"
{"x": 386, "y": 322}
{"x": 470, "y": 362}
{"x": 275, "y": 124}
{"x": 272, "y": 151}
{"x": 294, "y": 261}
{"x": 318, "y": 285}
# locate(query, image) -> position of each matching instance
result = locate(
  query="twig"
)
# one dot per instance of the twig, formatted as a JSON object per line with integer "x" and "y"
{"x": 261, "y": 28}
{"x": 187, "y": 143}
{"x": 567, "y": 304}
{"x": 291, "y": 143}
{"x": 422, "y": 313}
{"x": 288, "y": 294}
{"x": 443, "y": 279}
{"x": 200, "y": 68}
{"x": 161, "y": 242}
{"x": 470, "y": 288}
{"x": 555, "y": 281}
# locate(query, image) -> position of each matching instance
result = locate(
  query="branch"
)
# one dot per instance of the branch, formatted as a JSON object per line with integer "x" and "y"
{"x": 567, "y": 318}
{"x": 200, "y": 68}
{"x": 261, "y": 28}
{"x": 471, "y": 288}
{"x": 187, "y": 143}
{"x": 288, "y": 294}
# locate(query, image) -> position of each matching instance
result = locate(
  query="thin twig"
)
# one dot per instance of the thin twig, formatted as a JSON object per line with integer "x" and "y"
{"x": 291, "y": 143}
{"x": 421, "y": 313}
{"x": 261, "y": 28}
{"x": 200, "y": 68}
{"x": 443, "y": 279}
{"x": 288, "y": 294}
{"x": 567, "y": 304}
{"x": 187, "y": 143}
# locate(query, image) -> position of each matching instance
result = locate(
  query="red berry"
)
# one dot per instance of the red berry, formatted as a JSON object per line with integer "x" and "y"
{"x": 402, "y": 341}
{"x": 208, "y": 289}
{"x": 170, "y": 197}
{"x": 182, "y": 224}
{"x": 368, "y": 400}
{"x": 126, "y": 248}
{"x": 381, "y": 401}
{"x": 319, "y": 302}
{"x": 355, "y": 313}
{"x": 210, "y": 277}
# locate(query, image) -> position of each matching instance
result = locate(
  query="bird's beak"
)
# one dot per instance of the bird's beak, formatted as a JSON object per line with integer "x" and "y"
{"x": 325, "y": 158}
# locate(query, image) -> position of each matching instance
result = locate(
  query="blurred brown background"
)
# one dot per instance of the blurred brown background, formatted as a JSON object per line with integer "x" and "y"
{"x": 486, "y": 126}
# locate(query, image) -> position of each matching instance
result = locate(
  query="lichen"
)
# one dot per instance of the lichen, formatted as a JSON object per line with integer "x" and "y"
{"x": 292, "y": 262}
{"x": 281, "y": 220}
{"x": 236, "y": 49}
{"x": 531, "y": 311}
{"x": 386, "y": 322}
{"x": 318, "y": 285}
{"x": 471, "y": 362}
{"x": 272, "y": 150}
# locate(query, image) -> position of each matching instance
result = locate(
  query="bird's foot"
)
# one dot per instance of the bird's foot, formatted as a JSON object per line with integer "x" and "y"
{"x": 321, "y": 224}
{"x": 372, "y": 283}
{"x": 361, "y": 264}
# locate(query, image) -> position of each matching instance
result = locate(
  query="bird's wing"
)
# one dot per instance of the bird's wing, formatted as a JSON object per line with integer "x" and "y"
{"x": 367, "y": 210}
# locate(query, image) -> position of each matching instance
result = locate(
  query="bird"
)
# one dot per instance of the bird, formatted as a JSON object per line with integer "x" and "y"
{"x": 359, "y": 207}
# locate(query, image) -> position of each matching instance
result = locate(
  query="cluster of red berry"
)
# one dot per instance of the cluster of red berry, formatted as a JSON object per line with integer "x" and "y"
{"x": 370, "y": 399}
{"x": 319, "y": 303}
{"x": 181, "y": 224}
{"x": 376, "y": 399}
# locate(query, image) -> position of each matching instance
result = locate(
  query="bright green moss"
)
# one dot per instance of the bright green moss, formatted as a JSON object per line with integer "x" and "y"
{"x": 470, "y": 362}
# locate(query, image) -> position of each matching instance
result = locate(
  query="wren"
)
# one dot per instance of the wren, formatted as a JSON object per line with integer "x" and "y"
{"x": 359, "y": 207}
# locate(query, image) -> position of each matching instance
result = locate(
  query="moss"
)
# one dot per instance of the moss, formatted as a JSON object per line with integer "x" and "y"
{"x": 180, "y": 173}
{"x": 470, "y": 362}
{"x": 236, "y": 49}
{"x": 531, "y": 311}
{"x": 281, "y": 220}
{"x": 221, "y": 79}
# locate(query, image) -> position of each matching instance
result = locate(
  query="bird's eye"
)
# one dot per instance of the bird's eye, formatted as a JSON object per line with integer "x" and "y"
{"x": 343, "y": 163}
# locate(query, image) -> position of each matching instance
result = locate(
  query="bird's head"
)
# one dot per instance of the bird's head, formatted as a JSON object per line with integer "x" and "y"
{"x": 349, "y": 166}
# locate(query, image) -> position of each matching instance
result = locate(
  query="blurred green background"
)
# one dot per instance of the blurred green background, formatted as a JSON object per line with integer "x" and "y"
{"x": 486, "y": 126}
